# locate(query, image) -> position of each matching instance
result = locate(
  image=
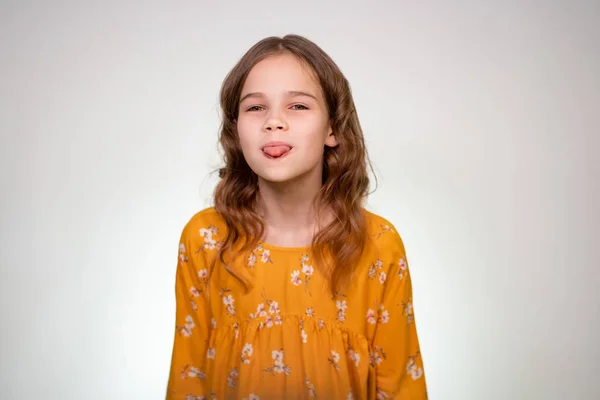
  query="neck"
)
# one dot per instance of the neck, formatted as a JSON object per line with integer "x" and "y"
{"x": 288, "y": 206}
{"x": 288, "y": 211}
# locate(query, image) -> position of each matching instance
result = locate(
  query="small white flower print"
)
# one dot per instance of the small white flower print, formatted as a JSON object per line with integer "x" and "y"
{"x": 350, "y": 396}
{"x": 304, "y": 336}
{"x": 266, "y": 256}
{"x": 192, "y": 372}
{"x": 194, "y": 292}
{"x": 381, "y": 395}
{"x": 210, "y": 353}
{"x": 274, "y": 308}
{"x": 383, "y": 229}
{"x": 186, "y": 330}
{"x": 279, "y": 367}
{"x": 371, "y": 317}
{"x": 341, "y": 306}
{"x": 209, "y": 242}
{"x": 251, "y": 397}
{"x": 334, "y": 360}
{"x": 307, "y": 270}
{"x": 236, "y": 329}
{"x": 182, "y": 253}
{"x": 232, "y": 379}
{"x": 310, "y": 387}
{"x": 375, "y": 271}
{"x": 402, "y": 269}
{"x": 321, "y": 324}
{"x": 228, "y": 301}
{"x": 408, "y": 312}
{"x": 252, "y": 260}
{"x": 382, "y": 277}
{"x": 376, "y": 356}
{"x": 384, "y": 316}
{"x": 247, "y": 353}
{"x": 372, "y": 272}
{"x": 354, "y": 356}
{"x": 412, "y": 369}
{"x": 296, "y": 278}
{"x": 203, "y": 273}
{"x": 310, "y": 312}
{"x": 213, "y": 322}
{"x": 260, "y": 312}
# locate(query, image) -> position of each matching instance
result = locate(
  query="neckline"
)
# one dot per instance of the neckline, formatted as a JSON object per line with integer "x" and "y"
{"x": 296, "y": 249}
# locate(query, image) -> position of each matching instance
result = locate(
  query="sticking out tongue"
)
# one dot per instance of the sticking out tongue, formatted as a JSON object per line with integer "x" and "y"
{"x": 276, "y": 151}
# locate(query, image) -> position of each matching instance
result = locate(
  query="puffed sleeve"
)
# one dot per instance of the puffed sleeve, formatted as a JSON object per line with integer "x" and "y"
{"x": 395, "y": 352}
{"x": 193, "y": 321}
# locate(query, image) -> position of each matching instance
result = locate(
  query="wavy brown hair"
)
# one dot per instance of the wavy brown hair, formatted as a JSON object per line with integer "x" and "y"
{"x": 337, "y": 247}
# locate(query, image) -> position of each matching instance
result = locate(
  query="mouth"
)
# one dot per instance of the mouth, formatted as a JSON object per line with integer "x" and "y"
{"x": 276, "y": 150}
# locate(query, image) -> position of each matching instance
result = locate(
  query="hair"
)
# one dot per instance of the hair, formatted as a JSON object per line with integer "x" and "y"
{"x": 338, "y": 246}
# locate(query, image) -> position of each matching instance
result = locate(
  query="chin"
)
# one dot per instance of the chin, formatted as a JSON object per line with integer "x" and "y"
{"x": 276, "y": 177}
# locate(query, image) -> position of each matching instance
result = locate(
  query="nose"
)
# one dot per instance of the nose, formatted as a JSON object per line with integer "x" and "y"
{"x": 275, "y": 123}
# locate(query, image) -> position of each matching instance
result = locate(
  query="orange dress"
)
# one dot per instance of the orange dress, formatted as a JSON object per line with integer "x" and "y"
{"x": 287, "y": 338}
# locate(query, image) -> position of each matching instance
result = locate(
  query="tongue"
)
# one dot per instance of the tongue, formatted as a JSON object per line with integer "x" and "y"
{"x": 276, "y": 151}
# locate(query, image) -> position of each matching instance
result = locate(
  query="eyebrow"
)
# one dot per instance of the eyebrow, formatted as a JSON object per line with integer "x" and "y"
{"x": 289, "y": 93}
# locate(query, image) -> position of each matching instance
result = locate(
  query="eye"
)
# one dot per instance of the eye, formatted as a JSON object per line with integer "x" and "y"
{"x": 302, "y": 107}
{"x": 254, "y": 108}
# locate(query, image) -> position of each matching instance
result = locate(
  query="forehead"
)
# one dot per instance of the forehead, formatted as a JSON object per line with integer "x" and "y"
{"x": 281, "y": 73}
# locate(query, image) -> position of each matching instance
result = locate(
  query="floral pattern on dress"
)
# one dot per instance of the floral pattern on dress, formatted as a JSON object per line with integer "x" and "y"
{"x": 229, "y": 301}
{"x": 183, "y": 258}
{"x": 341, "y": 313}
{"x": 210, "y": 243}
{"x": 358, "y": 331}
{"x": 376, "y": 271}
{"x": 259, "y": 251}
{"x": 192, "y": 372}
{"x": 412, "y": 369}
{"x": 408, "y": 311}
{"x": 383, "y": 229}
{"x": 310, "y": 387}
{"x": 279, "y": 367}
{"x": 381, "y": 316}
{"x": 270, "y": 318}
{"x": 303, "y": 334}
{"x": 186, "y": 330}
{"x": 305, "y": 269}
{"x": 334, "y": 360}
{"x": 376, "y": 356}
{"x": 247, "y": 353}
{"x": 210, "y": 354}
{"x": 353, "y": 355}
{"x": 402, "y": 267}
{"x": 232, "y": 379}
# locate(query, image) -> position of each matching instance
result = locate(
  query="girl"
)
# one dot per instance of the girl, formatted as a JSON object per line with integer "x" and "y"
{"x": 288, "y": 288}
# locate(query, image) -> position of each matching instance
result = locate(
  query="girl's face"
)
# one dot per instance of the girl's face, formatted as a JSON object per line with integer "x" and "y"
{"x": 283, "y": 123}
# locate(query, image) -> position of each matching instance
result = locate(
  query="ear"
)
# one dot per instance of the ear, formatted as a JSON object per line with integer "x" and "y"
{"x": 331, "y": 140}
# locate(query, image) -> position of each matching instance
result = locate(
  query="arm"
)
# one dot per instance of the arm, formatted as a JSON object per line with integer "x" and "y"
{"x": 193, "y": 322}
{"x": 395, "y": 351}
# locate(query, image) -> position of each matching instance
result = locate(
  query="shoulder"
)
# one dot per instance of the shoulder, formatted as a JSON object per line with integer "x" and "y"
{"x": 205, "y": 224}
{"x": 383, "y": 235}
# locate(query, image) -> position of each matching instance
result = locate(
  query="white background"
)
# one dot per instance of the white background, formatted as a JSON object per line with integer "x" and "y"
{"x": 482, "y": 121}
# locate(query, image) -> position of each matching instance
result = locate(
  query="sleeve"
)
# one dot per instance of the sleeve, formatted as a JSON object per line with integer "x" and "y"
{"x": 193, "y": 322}
{"x": 395, "y": 352}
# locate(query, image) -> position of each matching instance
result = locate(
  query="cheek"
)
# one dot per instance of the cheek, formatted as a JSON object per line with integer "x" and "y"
{"x": 245, "y": 134}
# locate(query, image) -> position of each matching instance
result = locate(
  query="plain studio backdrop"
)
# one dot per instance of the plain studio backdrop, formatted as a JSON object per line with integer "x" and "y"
{"x": 482, "y": 121}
